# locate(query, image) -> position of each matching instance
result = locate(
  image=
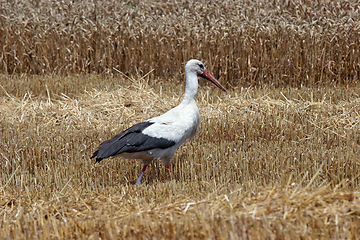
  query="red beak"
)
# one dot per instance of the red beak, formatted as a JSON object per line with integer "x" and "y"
{"x": 211, "y": 78}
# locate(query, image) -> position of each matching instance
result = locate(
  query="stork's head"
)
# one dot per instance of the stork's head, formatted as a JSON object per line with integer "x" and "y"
{"x": 197, "y": 67}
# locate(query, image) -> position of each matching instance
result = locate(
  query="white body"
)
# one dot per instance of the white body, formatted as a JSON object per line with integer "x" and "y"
{"x": 178, "y": 124}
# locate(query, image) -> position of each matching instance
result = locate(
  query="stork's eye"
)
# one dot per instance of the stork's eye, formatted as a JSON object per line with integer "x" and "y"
{"x": 201, "y": 66}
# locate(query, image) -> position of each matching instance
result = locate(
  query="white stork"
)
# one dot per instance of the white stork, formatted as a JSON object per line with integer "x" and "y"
{"x": 159, "y": 137}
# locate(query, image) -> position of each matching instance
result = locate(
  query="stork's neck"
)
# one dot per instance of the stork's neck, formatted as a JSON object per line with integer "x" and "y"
{"x": 191, "y": 87}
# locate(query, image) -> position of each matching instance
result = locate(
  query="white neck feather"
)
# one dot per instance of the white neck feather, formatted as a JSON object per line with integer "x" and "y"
{"x": 191, "y": 87}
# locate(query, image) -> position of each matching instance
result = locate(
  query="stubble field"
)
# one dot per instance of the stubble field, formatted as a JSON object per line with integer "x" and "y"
{"x": 276, "y": 157}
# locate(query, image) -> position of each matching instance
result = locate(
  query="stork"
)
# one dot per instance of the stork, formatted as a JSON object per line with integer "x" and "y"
{"x": 159, "y": 137}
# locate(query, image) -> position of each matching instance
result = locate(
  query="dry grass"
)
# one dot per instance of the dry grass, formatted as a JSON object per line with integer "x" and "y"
{"x": 245, "y": 42}
{"x": 266, "y": 163}
{"x": 277, "y": 157}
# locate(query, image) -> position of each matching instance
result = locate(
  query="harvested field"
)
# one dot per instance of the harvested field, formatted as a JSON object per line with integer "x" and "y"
{"x": 265, "y": 163}
{"x": 276, "y": 157}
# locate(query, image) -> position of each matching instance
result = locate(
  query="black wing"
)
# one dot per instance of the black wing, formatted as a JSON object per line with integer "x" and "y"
{"x": 131, "y": 140}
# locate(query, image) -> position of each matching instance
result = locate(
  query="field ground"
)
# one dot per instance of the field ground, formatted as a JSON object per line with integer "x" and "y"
{"x": 266, "y": 163}
{"x": 276, "y": 157}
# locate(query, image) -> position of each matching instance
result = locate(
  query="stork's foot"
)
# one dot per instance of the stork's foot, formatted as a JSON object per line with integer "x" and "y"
{"x": 141, "y": 175}
{"x": 132, "y": 182}
{"x": 168, "y": 174}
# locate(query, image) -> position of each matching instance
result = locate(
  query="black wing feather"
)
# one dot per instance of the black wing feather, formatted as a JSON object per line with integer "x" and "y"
{"x": 131, "y": 140}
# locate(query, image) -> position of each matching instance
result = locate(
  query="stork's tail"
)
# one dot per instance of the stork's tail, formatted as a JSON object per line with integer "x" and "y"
{"x": 95, "y": 155}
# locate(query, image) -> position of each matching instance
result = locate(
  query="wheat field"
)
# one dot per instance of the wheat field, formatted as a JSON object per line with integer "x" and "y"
{"x": 275, "y": 157}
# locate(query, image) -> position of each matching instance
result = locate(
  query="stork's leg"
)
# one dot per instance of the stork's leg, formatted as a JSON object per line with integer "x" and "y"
{"x": 168, "y": 175}
{"x": 141, "y": 174}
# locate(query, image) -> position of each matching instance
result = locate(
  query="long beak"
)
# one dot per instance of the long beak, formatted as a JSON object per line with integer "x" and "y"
{"x": 211, "y": 78}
